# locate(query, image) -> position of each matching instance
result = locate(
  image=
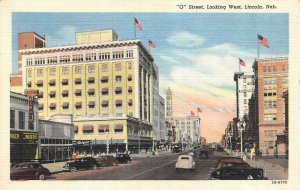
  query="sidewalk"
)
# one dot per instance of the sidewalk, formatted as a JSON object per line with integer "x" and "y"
{"x": 274, "y": 168}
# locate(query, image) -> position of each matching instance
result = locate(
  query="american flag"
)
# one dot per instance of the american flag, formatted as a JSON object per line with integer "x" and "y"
{"x": 151, "y": 44}
{"x": 192, "y": 113}
{"x": 137, "y": 24}
{"x": 242, "y": 62}
{"x": 263, "y": 41}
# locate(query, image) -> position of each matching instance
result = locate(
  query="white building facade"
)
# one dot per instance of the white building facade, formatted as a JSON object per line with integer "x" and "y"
{"x": 187, "y": 129}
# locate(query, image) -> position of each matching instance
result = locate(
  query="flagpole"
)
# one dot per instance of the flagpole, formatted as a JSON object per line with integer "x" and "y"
{"x": 257, "y": 47}
{"x": 134, "y": 28}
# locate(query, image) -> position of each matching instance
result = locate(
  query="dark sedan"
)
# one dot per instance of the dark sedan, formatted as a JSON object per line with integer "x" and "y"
{"x": 82, "y": 163}
{"x": 107, "y": 160}
{"x": 29, "y": 170}
{"x": 123, "y": 158}
{"x": 238, "y": 173}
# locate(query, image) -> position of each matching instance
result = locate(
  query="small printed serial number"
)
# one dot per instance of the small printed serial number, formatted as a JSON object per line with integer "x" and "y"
{"x": 279, "y": 182}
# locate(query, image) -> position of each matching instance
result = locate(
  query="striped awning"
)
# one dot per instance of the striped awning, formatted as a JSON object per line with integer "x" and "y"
{"x": 88, "y": 128}
{"x": 91, "y": 103}
{"x": 52, "y": 105}
{"x": 39, "y": 82}
{"x": 78, "y": 104}
{"x": 91, "y": 90}
{"x": 65, "y": 104}
{"x": 118, "y": 126}
{"x": 52, "y": 81}
{"x": 103, "y": 127}
{"x": 64, "y": 81}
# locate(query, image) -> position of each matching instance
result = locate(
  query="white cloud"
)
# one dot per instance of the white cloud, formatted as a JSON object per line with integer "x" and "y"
{"x": 65, "y": 35}
{"x": 185, "y": 39}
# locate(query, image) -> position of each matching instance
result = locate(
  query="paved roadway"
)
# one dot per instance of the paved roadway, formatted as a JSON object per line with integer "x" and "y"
{"x": 149, "y": 168}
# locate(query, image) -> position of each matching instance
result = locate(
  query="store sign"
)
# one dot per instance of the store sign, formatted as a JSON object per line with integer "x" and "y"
{"x": 23, "y": 137}
{"x": 31, "y": 94}
{"x": 82, "y": 142}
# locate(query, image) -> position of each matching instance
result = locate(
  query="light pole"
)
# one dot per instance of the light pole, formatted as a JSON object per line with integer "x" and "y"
{"x": 242, "y": 125}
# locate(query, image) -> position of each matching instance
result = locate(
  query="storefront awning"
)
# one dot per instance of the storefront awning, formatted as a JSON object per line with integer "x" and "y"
{"x": 104, "y": 78}
{"x": 91, "y": 103}
{"x": 65, "y": 104}
{"x": 104, "y": 102}
{"x": 78, "y": 104}
{"x": 118, "y": 101}
{"x": 118, "y": 126}
{"x": 91, "y": 90}
{"x": 39, "y": 82}
{"x": 103, "y": 127}
{"x": 88, "y": 128}
{"x": 52, "y": 81}
{"x": 64, "y": 81}
{"x": 52, "y": 105}
{"x": 90, "y": 79}
{"x": 64, "y": 92}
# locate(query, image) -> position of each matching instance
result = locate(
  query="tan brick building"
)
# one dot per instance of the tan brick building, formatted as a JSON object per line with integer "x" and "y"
{"x": 271, "y": 76}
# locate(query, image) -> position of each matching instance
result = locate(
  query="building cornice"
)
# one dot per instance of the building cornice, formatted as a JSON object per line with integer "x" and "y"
{"x": 271, "y": 60}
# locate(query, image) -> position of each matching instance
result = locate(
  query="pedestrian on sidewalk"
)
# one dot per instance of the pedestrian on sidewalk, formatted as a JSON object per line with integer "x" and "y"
{"x": 252, "y": 153}
{"x": 74, "y": 156}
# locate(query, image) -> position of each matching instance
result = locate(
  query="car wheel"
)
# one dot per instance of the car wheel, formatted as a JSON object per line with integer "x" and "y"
{"x": 94, "y": 167}
{"x": 249, "y": 177}
{"x": 73, "y": 169}
{"x": 41, "y": 177}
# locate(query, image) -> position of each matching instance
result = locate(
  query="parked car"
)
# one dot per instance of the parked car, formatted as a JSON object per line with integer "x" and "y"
{"x": 29, "y": 170}
{"x": 203, "y": 153}
{"x": 82, "y": 163}
{"x": 224, "y": 159}
{"x": 238, "y": 173}
{"x": 107, "y": 160}
{"x": 123, "y": 158}
{"x": 177, "y": 150}
{"x": 185, "y": 162}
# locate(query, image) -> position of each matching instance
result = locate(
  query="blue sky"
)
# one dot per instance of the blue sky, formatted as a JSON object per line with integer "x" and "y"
{"x": 197, "y": 54}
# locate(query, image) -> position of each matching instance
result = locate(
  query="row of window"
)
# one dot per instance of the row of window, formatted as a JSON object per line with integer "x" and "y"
{"x": 91, "y": 105}
{"x": 269, "y": 92}
{"x": 90, "y": 92}
{"x": 270, "y": 117}
{"x": 77, "y": 70}
{"x": 80, "y": 57}
{"x": 274, "y": 68}
{"x": 20, "y": 119}
{"x": 78, "y": 81}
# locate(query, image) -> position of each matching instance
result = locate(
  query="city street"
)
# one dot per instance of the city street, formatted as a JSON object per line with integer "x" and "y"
{"x": 148, "y": 168}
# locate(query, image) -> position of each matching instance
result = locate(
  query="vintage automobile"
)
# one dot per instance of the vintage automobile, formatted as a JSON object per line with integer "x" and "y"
{"x": 238, "y": 173}
{"x": 82, "y": 163}
{"x": 203, "y": 153}
{"x": 185, "y": 162}
{"x": 29, "y": 170}
{"x": 107, "y": 160}
{"x": 224, "y": 159}
{"x": 123, "y": 158}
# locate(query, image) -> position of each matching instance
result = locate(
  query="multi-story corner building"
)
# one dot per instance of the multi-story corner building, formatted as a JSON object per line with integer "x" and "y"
{"x": 187, "y": 129}
{"x": 272, "y": 81}
{"x": 251, "y": 131}
{"x": 244, "y": 90}
{"x": 105, "y": 83}
{"x": 24, "y": 134}
{"x": 162, "y": 120}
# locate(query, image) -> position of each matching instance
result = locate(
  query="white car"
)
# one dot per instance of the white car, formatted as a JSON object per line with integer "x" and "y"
{"x": 185, "y": 162}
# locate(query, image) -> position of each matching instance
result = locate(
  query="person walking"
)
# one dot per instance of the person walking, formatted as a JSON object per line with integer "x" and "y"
{"x": 252, "y": 153}
{"x": 74, "y": 156}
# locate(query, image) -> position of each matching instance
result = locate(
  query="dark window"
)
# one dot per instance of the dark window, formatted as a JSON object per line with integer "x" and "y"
{"x": 21, "y": 120}
{"x": 12, "y": 118}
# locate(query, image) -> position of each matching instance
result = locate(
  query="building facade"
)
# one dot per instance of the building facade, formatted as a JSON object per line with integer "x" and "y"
{"x": 272, "y": 81}
{"x": 56, "y": 139}
{"x": 244, "y": 90}
{"x": 186, "y": 129}
{"x": 106, "y": 84}
{"x": 162, "y": 120}
{"x": 156, "y": 105}
{"x": 24, "y": 134}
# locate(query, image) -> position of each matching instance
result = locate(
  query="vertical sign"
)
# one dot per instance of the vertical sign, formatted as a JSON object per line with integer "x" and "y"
{"x": 31, "y": 94}
{"x": 174, "y": 134}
